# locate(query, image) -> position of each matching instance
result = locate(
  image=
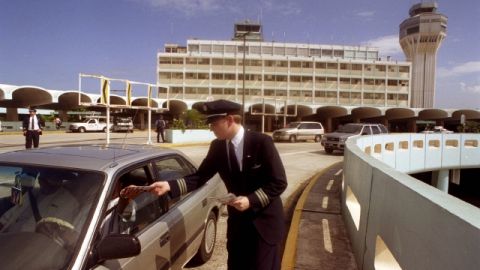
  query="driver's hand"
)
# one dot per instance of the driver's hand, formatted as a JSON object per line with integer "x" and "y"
{"x": 159, "y": 188}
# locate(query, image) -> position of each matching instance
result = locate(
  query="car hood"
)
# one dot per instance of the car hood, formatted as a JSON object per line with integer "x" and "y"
{"x": 339, "y": 135}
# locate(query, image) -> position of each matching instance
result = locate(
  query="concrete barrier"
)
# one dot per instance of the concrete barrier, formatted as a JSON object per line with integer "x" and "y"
{"x": 397, "y": 222}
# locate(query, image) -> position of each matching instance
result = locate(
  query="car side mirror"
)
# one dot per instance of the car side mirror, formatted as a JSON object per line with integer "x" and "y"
{"x": 116, "y": 246}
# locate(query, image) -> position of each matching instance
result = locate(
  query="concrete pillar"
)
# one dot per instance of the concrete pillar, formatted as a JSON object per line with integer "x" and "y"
{"x": 63, "y": 115}
{"x": 140, "y": 119}
{"x": 12, "y": 114}
{"x": 440, "y": 179}
{"x": 329, "y": 125}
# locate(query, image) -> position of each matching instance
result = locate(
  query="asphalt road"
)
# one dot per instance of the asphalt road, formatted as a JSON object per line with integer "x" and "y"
{"x": 302, "y": 160}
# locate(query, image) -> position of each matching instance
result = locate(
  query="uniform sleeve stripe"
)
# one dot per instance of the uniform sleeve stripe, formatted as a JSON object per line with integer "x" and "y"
{"x": 182, "y": 186}
{"x": 264, "y": 200}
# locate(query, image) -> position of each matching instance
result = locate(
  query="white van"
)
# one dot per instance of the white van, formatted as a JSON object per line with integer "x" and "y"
{"x": 296, "y": 131}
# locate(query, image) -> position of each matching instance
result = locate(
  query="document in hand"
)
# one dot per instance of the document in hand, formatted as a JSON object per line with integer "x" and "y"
{"x": 225, "y": 199}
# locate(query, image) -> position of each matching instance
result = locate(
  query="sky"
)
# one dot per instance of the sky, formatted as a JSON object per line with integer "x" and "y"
{"x": 48, "y": 43}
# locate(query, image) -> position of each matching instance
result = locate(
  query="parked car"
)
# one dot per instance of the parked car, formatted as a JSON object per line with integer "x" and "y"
{"x": 122, "y": 124}
{"x": 60, "y": 209}
{"x": 296, "y": 131}
{"x": 91, "y": 124}
{"x": 336, "y": 140}
{"x": 438, "y": 129}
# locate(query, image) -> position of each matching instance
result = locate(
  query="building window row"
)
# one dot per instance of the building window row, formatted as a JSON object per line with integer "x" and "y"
{"x": 282, "y": 51}
{"x": 309, "y": 66}
{"x": 166, "y": 77}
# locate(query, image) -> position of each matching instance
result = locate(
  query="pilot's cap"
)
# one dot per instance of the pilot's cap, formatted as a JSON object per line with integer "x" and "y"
{"x": 32, "y": 110}
{"x": 220, "y": 108}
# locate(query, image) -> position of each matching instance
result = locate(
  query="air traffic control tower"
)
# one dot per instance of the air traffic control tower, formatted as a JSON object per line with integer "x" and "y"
{"x": 420, "y": 38}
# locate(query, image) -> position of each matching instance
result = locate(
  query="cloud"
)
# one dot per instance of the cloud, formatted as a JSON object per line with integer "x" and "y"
{"x": 281, "y": 7}
{"x": 470, "y": 88}
{"x": 366, "y": 14}
{"x": 189, "y": 7}
{"x": 459, "y": 70}
{"x": 387, "y": 45}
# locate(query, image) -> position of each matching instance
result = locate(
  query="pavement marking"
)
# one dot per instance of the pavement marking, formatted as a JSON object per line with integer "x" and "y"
{"x": 296, "y": 153}
{"x": 325, "y": 202}
{"x": 339, "y": 172}
{"x": 330, "y": 183}
{"x": 327, "y": 242}
{"x": 290, "y": 251}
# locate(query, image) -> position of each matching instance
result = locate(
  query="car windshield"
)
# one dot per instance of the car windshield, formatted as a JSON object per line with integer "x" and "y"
{"x": 123, "y": 121}
{"x": 293, "y": 125}
{"x": 350, "y": 129}
{"x": 43, "y": 214}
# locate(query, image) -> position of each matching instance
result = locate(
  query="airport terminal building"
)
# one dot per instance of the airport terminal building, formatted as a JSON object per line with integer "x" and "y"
{"x": 311, "y": 75}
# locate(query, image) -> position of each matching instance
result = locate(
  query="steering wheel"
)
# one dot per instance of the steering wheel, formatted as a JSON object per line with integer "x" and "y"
{"x": 59, "y": 230}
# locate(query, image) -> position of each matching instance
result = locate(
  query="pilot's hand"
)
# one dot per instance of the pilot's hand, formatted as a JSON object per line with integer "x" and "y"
{"x": 241, "y": 203}
{"x": 132, "y": 191}
{"x": 159, "y": 188}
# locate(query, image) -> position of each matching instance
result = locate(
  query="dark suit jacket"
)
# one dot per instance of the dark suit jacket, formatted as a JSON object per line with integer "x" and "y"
{"x": 26, "y": 121}
{"x": 262, "y": 180}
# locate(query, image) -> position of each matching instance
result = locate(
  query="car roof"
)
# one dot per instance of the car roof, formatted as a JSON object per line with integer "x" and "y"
{"x": 363, "y": 124}
{"x": 89, "y": 157}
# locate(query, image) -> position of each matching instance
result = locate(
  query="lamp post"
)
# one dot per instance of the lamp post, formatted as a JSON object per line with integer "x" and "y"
{"x": 243, "y": 81}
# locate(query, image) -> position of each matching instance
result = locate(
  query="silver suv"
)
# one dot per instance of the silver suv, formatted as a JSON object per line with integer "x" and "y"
{"x": 300, "y": 131}
{"x": 336, "y": 140}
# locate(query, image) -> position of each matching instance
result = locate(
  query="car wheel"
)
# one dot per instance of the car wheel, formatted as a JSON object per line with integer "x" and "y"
{"x": 293, "y": 138}
{"x": 318, "y": 138}
{"x": 207, "y": 246}
{"x": 328, "y": 150}
{"x": 104, "y": 129}
{"x": 81, "y": 129}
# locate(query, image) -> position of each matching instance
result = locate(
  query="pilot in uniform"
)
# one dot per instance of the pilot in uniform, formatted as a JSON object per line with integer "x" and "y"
{"x": 32, "y": 129}
{"x": 251, "y": 168}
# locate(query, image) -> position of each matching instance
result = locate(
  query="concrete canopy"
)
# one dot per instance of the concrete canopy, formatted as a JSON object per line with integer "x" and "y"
{"x": 67, "y": 101}
{"x": 365, "y": 112}
{"x": 115, "y": 100}
{"x": 302, "y": 110}
{"x": 469, "y": 115}
{"x": 432, "y": 114}
{"x": 258, "y": 108}
{"x": 331, "y": 112}
{"x": 177, "y": 107}
{"x": 399, "y": 113}
{"x": 143, "y": 102}
{"x": 26, "y": 96}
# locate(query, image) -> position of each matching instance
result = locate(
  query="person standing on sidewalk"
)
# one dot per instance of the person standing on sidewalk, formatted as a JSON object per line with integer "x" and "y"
{"x": 32, "y": 129}
{"x": 160, "y": 128}
{"x": 251, "y": 168}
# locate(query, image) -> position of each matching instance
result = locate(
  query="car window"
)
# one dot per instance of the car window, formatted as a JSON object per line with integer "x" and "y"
{"x": 50, "y": 208}
{"x": 292, "y": 125}
{"x": 355, "y": 129}
{"x": 303, "y": 126}
{"x": 140, "y": 212}
{"x": 383, "y": 129}
{"x": 172, "y": 168}
{"x": 366, "y": 130}
{"x": 376, "y": 130}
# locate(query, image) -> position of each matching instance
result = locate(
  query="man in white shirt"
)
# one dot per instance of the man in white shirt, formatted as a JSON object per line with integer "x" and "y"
{"x": 32, "y": 129}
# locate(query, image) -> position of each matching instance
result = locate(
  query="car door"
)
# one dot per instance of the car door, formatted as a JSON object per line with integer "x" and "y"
{"x": 303, "y": 131}
{"x": 141, "y": 217}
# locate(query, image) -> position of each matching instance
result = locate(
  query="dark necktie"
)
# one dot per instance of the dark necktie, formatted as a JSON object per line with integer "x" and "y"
{"x": 232, "y": 158}
{"x": 33, "y": 127}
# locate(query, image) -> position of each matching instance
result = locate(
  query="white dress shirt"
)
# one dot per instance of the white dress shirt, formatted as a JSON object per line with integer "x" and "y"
{"x": 35, "y": 123}
{"x": 237, "y": 142}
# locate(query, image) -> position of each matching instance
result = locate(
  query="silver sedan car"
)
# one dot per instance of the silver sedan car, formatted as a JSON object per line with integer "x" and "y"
{"x": 60, "y": 209}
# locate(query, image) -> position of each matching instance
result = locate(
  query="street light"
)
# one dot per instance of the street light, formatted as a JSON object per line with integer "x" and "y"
{"x": 243, "y": 81}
